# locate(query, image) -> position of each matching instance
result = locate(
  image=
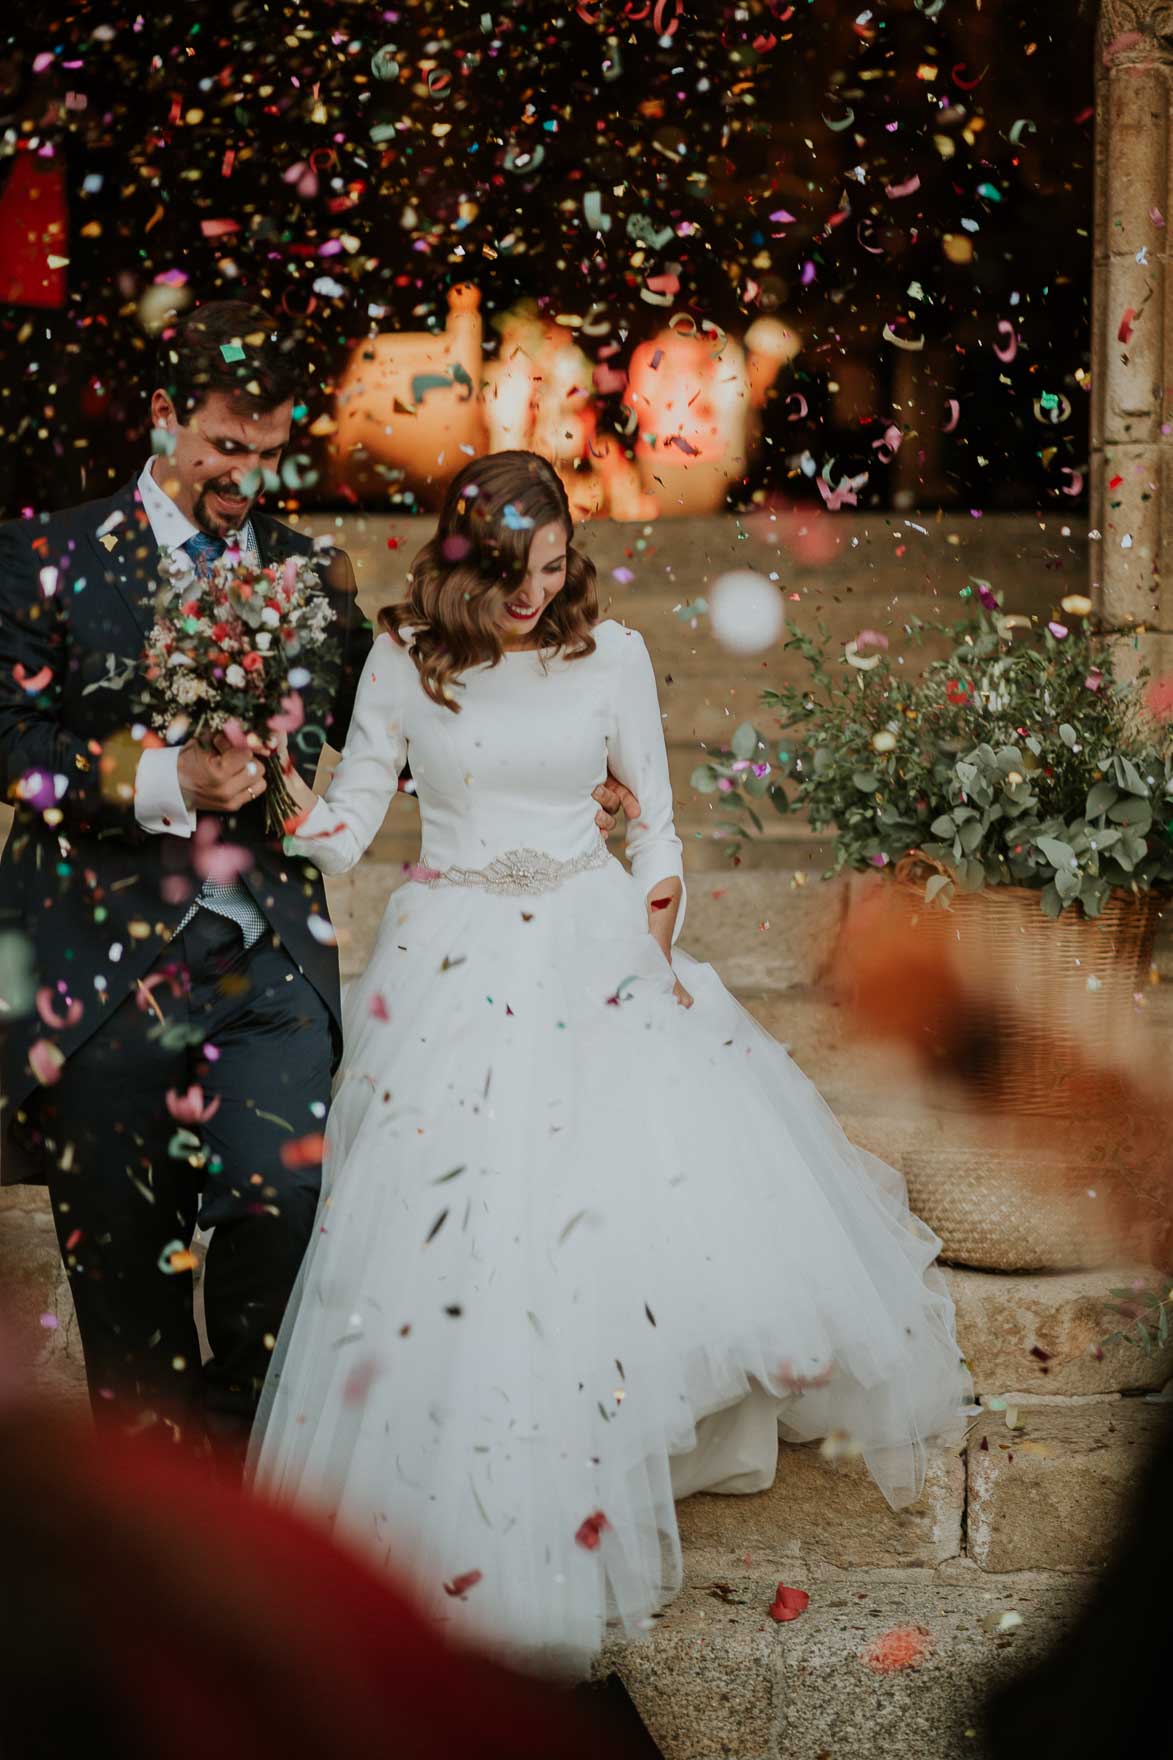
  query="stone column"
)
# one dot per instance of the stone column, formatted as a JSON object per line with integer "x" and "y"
{"x": 1132, "y": 320}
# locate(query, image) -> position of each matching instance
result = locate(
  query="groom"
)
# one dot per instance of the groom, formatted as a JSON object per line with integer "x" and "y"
{"x": 171, "y": 1012}
{"x": 169, "y": 992}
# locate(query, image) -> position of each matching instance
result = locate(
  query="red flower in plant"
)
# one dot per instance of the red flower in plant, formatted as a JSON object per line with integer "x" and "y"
{"x": 219, "y": 631}
{"x": 788, "y": 1603}
{"x": 957, "y": 691}
{"x": 591, "y": 1531}
{"x": 252, "y": 662}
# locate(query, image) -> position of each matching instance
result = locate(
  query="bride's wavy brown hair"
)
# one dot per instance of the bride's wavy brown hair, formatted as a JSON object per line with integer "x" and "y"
{"x": 477, "y": 559}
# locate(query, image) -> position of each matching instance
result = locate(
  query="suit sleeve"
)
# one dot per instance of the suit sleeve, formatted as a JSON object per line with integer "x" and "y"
{"x": 343, "y": 822}
{"x": 640, "y": 759}
{"x": 44, "y": 764}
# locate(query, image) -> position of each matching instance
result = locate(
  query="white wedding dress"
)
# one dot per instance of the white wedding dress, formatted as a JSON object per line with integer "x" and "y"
{"x": 565, "y": 1220}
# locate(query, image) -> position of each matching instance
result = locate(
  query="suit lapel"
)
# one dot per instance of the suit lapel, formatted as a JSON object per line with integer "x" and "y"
{"x": 129, "y": 555}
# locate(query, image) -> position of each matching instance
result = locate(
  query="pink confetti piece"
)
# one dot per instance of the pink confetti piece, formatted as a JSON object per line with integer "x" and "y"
{"x": 47, "y": 1009}
{"x": 191, "y": 1108}
{"x": 907, "y": 188}
{"x": 1006, "y": 328}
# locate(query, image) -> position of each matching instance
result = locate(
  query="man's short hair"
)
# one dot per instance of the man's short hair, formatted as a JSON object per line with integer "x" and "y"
{"x": 232, "y": 347}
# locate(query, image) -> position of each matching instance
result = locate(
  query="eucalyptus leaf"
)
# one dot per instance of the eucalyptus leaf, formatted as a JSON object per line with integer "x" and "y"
{"x": 943, "y": 826}
{"x": 1100, "y": 796}
{"x": 704, "y": 779}
{"x": 1132, "y": 811}
{"x": 1059, "y": 854}
{"x": 745, "y": 740}
{"x": 865, "y": 780}
{"x": 939, "y": 890}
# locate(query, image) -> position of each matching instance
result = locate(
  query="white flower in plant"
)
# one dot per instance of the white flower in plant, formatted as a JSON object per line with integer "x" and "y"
{"x": 270, "y": 618}
{"x": 884, "y": 741}
{"x": 235, "y": 677}
{"x": 263, "y": 641}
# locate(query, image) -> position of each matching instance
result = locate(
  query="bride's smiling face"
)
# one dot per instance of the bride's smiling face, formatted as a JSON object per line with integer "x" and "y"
{"x": 545, "y": 576}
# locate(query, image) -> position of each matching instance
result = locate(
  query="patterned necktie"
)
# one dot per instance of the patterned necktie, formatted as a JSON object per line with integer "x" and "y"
{"x": 203, "y": 551}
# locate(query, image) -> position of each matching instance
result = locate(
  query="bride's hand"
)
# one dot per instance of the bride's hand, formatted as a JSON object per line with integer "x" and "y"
{"x": 681, "y": 994}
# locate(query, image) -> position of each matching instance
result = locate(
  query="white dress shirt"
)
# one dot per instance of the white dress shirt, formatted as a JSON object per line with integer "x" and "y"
{"x": 159, "y": 806}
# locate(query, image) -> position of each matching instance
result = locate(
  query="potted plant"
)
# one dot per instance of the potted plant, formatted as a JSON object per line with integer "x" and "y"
{"x": 1018, "y": 793}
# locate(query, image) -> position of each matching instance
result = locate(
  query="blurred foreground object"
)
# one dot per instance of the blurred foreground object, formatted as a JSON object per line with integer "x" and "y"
{"x": 149, "y": 1613}
{"x": 1093, "y": 1148}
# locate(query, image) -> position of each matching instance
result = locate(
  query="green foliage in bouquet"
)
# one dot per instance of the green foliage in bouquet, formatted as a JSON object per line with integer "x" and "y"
{"x": 1018, "y": 759}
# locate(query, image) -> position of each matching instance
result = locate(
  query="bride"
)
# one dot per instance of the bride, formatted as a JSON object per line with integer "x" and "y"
{"x": 587, "y": 1238}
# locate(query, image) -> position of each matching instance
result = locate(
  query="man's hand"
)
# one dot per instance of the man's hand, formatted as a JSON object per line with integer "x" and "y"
{"x": 220, "y": 778}
{"x": 613, "y": 798}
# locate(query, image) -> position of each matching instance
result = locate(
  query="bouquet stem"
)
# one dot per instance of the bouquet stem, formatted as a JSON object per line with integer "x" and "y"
{"x": 280, "y": 806}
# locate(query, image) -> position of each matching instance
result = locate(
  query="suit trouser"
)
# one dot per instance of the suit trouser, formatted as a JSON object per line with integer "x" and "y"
{"x": 129, "y": 1181}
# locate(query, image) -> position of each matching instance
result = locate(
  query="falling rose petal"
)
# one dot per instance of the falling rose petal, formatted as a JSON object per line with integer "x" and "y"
{"x": 1058, "y": 630}
{"x": 1077, "y": 605}
{"x": 221, "y": 863}
{"x": 1124, "y": 333}
{"x": 358, "y": 1383}
{"x": 1094, "y": 679}
{"x": 32, "y": 682}
{"x": 379, "y": 1009}
{"x": 591, "y": 1531}
{"x": 303, "y": 1151}
{"x": 50, "y": 1322}
{"x": 291, "y": 715}
{"x": 45, "y": 1061}
{"x": 954, "y": 409}
{"x": 788, "y": 1603}
{"x": 907, "y": 188}
{"x": 902, "y": 1647}
{"x": 1158, "y": 698}
{"x": 191, "y": 1108}
{"x": 322, "y": 930}
{"x": 46, "y": 999}
{"x": 871, "y": 638}
{"x": 459, "y": 1586}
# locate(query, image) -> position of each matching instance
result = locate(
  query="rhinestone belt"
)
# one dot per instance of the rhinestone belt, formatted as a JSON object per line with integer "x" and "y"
{"x": 519, "y": 871}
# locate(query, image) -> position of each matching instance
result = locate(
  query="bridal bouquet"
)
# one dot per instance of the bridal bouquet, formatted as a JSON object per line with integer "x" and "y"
{"x": 227, "y": 654}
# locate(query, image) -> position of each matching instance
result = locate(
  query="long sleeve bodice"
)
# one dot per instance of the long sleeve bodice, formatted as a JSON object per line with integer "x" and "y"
{"x": 515, "y": 769}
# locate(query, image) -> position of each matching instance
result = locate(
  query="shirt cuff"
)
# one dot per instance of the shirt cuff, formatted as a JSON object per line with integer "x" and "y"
{"x": 159, "y": 805}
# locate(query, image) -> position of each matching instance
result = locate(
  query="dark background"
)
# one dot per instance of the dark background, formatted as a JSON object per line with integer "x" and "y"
{"x": 196, "y": 112}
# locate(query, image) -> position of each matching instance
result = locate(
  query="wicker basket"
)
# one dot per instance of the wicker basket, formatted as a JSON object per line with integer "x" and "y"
{"x": 976, "y": 1197}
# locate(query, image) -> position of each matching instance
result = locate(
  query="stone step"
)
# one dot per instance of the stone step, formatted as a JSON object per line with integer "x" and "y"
{"x": 880, "y": 1662}
{"x": 1033, "y": 1487}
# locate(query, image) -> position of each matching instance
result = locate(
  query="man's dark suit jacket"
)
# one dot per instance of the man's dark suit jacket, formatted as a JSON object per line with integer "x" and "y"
{"x": 76, "y": 603}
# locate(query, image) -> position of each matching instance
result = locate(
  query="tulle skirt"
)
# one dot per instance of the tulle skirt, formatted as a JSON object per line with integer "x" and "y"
{"x": 564, "y": 1220}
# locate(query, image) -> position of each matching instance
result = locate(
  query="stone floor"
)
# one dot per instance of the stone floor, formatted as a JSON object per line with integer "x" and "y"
{"x": 1013, "y": 1524}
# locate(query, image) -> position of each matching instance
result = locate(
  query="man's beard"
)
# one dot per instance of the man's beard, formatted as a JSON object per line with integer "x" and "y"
{"x": 211, "y": 523}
